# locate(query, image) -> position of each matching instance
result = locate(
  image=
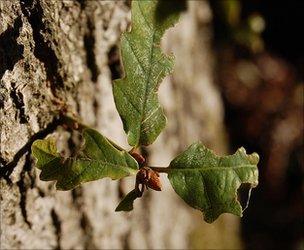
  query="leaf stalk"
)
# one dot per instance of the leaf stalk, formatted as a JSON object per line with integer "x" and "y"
{"x": 160, "y": 169}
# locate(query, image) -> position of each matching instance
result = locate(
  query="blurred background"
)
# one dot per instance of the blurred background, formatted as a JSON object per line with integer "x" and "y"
{"x": 260, "y": 72}
{"x": 238, "y": 81}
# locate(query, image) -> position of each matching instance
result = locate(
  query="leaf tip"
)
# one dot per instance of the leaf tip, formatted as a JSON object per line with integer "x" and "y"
{"x": 126, "y": 204}
{"x": 242, "y": 150}
{"x": 120, "y": 209}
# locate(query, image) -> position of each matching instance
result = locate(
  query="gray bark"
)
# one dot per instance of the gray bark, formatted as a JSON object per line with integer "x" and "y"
{"x": 57, "y": 54}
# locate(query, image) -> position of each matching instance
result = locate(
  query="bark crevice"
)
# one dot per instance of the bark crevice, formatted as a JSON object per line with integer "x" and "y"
{"x": 10, "y": 51}
{"x": 89, "y": 44}
{"x": 43, "y": 50}
{"x": 84, "y": 222}
{"x": 22, "y": 185}
{"x": 57, "y": 226}
{"x": 17, "y": 98}
{"x": 82, "y": 3}
{"x": 114, "y": 62}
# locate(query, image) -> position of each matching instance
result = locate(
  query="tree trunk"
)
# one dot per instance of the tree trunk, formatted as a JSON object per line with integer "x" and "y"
{"x": 57, "y": 55}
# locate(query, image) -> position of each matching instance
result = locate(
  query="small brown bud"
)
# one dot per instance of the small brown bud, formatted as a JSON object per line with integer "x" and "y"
{"x": 146, "y": 176}
{"x": 154, "y": 181}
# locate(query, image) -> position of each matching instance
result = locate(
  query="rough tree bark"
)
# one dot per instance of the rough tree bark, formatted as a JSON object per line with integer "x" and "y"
{"x": 65, "y": 52}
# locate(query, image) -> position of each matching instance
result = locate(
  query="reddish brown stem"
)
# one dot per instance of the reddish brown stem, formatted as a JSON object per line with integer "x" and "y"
{"x": 159, "y": 169}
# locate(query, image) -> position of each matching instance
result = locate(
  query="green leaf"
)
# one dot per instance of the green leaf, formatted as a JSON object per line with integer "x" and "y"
{"x": 145, "y": 67}
{"x": 97, "y": 159}
{"x": 209, "y": 183}
{"x": 126, "y": 203}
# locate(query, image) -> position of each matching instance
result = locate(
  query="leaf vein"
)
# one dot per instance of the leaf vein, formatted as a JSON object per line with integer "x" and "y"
{"x": 149, "y": 116}
{"x": 127, "y": 97}
{"x": 206, "y": 192}
{"x": 135, "y": 55}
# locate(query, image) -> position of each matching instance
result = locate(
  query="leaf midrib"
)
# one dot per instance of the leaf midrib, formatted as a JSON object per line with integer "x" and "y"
{"x": 90, "y": 162}
{"x": 106, "y": 163}
{"x": 147, "y": 80}
{"x": 211, "y": 168}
